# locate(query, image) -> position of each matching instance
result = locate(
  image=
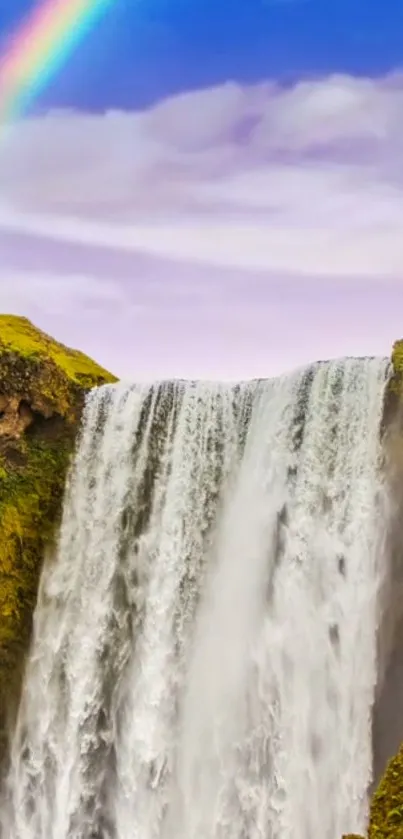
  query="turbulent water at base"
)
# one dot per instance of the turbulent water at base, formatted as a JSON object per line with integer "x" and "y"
{"x": 205, "y": 644}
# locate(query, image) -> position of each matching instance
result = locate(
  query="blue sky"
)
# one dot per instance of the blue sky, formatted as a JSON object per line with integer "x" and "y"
{"x": 145, "y": 50}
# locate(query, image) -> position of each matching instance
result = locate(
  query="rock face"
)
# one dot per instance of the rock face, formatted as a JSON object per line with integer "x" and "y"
{"x": 393, "y": 407}
{"x": 42, "y": 390}
{"x": 386, "y": 810}
{"x": 386, "y": 816}
{"x": 386, "y": 813}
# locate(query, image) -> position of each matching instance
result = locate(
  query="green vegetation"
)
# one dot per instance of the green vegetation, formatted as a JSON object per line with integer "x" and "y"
{"x": 395, "y": 385}
{"x": 386, "y": 816}
{"x": 30, "y": 496}
{"x": 397, "y": 356}
{"x": 42, "y": 389}
{"x": 52, "y": 374}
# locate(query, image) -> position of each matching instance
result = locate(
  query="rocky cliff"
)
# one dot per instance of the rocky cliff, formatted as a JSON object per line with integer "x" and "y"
{"x": 386, "y": 814}
{"x": 386, "y": 811}
{"x": 42, "y": 389}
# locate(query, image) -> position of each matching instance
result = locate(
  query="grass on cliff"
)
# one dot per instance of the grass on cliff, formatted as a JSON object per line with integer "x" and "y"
{"x": 18, "y": 335}
{"x": 397, "y": 356}
{"x": 52, "y": 380}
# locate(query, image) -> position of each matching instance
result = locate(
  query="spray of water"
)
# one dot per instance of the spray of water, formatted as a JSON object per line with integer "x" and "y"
{"x": 204, "y": 655}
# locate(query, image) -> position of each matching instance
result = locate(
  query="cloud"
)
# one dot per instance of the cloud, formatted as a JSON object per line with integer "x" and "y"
{"x": 201, "y": 208}
{"x": 47, "y": 295}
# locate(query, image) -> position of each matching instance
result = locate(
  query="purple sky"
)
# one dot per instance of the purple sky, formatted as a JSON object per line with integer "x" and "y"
{"x": 232, "y": 232}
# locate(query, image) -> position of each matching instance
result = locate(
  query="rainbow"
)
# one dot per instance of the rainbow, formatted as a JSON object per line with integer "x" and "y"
{"x": 40, "y": 47}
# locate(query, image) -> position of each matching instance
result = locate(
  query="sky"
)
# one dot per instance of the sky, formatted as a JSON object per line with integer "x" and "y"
{"x": 212, "y": 189}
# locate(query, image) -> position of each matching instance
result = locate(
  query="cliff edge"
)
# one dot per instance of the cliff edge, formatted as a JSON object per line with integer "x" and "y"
{"x": 386, "y": 806}
{"x": 42, "y": 391}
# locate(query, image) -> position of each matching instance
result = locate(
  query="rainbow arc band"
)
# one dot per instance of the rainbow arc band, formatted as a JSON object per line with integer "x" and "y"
{"x": 40, "y": 47}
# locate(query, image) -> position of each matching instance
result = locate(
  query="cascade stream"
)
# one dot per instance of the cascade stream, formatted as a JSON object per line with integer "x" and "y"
{"x": 204, "y": 660}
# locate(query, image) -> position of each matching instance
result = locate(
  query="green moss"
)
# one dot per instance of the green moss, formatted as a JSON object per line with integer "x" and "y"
{"x": 30, "y": 498}
{"x": 397, "y": 356}
{"x": 30, "y": 357}
{"x": 18, "y": 334}
{"x": 386, "y": 816}
{"x": 42, "y": 387}
{"x": 395, "y": 385}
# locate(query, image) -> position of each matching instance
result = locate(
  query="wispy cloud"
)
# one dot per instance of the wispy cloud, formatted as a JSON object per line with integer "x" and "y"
{"x": 200, "y": 208}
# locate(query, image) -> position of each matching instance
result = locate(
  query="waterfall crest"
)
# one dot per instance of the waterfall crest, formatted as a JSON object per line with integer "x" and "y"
{"x": 204, "y": 657}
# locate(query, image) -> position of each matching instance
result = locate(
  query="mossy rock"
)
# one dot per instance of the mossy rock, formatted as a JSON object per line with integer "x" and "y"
{"x": 393, "y": 402}
{"x": 42, "y": 391}
{"x": 386, "y": 815}
{"x": 397, "y": 358}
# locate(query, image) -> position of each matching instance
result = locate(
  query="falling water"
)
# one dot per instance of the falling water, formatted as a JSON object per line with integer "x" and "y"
{"x": 204, "y": 656}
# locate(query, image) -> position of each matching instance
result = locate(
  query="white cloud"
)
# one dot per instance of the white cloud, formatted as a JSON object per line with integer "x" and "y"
{"x": 243, "y": 244}
{"x": 196, "y": 212}
{"x": 295, "y": 179}
{"x": 50, "y": 294}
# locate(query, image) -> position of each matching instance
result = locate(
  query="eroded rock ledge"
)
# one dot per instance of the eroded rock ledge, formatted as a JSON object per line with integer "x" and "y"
{"x": 42, "y": 390}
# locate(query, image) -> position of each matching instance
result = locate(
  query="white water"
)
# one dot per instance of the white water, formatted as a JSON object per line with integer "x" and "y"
{"x": 204, "y": 654}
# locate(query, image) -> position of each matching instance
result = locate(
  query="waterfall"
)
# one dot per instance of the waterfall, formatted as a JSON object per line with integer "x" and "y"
{"x": 204, "y": 657}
